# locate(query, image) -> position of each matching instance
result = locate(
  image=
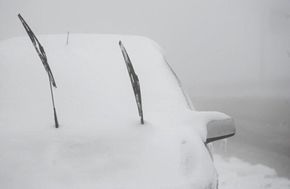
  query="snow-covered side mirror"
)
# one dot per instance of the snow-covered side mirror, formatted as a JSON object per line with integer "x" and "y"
{"x": 219, "y": 126}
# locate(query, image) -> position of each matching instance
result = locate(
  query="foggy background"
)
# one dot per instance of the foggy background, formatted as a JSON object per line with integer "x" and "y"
{"x": 232, "y": 56}
{"x": 240, "y": 47}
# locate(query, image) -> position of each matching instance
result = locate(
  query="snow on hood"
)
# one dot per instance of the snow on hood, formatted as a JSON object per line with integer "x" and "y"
{"x": 100, "y": 143}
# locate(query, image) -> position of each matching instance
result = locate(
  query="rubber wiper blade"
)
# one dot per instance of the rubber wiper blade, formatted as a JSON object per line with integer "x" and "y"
{"x": 39, "y": 49}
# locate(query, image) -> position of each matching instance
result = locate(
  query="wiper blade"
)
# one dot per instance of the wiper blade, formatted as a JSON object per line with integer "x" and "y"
{"x": 134, "y": 81}
{"x": 39, "y": 49}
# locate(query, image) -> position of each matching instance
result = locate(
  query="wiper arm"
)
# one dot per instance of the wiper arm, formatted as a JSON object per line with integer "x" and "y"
{"x": 134, "y": 81}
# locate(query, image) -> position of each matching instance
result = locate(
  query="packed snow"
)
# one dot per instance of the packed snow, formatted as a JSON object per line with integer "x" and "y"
{"x": 100, "y": 142}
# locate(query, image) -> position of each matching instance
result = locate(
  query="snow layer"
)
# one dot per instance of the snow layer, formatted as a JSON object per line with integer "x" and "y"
{"x": 239, "y": 174}
{"x": 100, "y": 143}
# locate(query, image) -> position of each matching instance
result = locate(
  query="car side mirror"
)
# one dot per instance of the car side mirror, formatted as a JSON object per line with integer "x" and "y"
{"x": 219, "y": 126}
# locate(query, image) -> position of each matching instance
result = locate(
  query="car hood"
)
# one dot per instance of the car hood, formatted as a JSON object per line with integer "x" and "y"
{"x": 100, "y": 143}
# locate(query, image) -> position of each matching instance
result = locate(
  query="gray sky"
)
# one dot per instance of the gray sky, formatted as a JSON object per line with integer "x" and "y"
{"x": 218, "y": 44}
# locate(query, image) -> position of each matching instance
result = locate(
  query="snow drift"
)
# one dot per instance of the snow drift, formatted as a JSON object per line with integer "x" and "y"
{"x": 239, "y": 174}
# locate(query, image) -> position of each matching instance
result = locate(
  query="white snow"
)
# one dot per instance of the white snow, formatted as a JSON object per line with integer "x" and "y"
{"x": 239, "y": 174}
{"x": 100, "y": 143}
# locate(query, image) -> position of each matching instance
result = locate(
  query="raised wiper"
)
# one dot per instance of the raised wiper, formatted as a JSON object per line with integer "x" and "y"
{"x": 42, "y": 55}
{"x": 134, "y": 81}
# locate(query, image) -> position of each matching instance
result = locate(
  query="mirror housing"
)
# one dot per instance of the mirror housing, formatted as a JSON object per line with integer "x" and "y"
{"x": 220, "y": 128}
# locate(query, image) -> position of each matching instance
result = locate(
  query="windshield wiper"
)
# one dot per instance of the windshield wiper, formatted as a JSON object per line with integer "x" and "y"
{"x": 134, "y": 81}
{"x": 42, "y": 55}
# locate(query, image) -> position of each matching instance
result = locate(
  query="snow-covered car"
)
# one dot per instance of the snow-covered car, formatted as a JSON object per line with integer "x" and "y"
{"x": 100, "y": 142}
